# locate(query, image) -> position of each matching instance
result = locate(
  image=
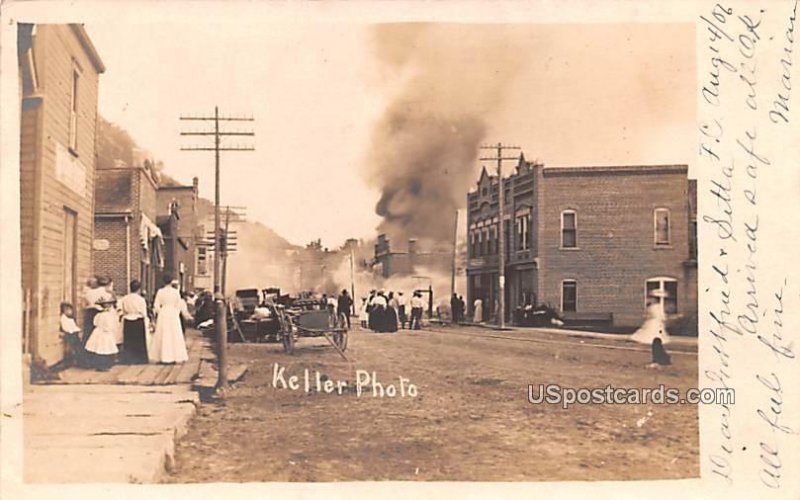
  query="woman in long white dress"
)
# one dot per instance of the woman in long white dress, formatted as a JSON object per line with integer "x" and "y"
{"x": 654, "y": 322}
{"x": 168, "y": 344}
{"x": 478, "y": 308}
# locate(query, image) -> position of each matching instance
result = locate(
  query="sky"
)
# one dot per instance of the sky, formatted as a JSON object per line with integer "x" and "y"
{"x": 567, "y": 94}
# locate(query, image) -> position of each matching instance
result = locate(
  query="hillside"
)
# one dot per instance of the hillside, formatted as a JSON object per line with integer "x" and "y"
{"x": 264, "y": 258}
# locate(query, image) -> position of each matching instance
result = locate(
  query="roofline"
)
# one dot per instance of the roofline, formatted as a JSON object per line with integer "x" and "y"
{"x": 88, "y": 46}
{"x": 165, "y": 188}
{"x": 616, "y": 169}
{"x": 113, "y": 215}
{"x": 140, "y": 168}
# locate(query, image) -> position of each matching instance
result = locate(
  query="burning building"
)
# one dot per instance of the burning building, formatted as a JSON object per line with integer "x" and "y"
{"x": 389, "y": 262}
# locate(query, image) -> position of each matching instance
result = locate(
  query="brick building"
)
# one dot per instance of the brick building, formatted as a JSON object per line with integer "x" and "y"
{"x": 177, "y": 219}
{"x": 128, "y": 244}
{"x": 59, "y": 77}
{"x": 591, "y": 241}
{"x": 204, "y": 258}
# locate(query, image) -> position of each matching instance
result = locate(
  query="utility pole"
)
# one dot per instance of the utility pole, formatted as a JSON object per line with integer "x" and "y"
{"x": 229, "y": 242}
{"x": 455, "y": 251}
{"x": 352, "y": 281}
{"x": 220, "y": 320}
{"x": 501, "y": 276}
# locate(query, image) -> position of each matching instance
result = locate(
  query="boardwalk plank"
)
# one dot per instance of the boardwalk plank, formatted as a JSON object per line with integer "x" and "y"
{"x": 131, "y": 375}
{"x": 148, "y": 376}
{"x": 162, "y": 376}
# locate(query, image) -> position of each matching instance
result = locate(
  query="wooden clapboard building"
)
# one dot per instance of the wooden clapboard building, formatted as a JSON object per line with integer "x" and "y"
{"x": 59, "y": 76}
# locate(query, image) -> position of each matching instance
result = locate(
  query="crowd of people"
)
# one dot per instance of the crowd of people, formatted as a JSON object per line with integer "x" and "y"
{"x": 127, "y": 330}
{"x": 458, "y": 308}
{"x": 387, "y": 312}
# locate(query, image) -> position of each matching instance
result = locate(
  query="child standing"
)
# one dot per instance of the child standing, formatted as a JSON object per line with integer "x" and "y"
{"x": 71, "y": 334}
{"x": 102, "y": 346}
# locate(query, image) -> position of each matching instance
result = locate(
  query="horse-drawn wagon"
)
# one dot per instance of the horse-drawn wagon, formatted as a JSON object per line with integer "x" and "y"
{"x": 307, "y": 319}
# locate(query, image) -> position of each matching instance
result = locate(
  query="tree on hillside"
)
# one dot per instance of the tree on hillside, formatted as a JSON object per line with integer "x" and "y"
{"x": 113, "y": 144}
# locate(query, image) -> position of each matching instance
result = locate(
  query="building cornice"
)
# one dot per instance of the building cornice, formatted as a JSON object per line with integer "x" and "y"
{"x": 614, "y": 170}
{"x": 88, "y": 46}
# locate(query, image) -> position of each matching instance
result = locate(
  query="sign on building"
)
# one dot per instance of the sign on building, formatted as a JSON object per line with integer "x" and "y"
{"x": 69, "y": 170}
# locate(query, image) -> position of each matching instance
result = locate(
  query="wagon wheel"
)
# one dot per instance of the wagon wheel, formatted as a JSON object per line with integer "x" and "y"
{"x": 333, "y": 321}
{"x": 340, "y": 337}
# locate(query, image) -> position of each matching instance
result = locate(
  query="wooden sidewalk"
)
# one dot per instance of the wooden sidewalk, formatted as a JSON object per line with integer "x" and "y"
{"x": 151, "y": 374}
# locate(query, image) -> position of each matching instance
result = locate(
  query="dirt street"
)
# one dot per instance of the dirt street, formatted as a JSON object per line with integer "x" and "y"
{"x": 470, "y": 419}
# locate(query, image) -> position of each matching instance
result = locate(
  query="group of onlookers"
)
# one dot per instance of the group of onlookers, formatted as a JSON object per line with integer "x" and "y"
{"x": 386, "y": 312}
{"x": 126, "y": 329}
{"x": 458, "y": 308}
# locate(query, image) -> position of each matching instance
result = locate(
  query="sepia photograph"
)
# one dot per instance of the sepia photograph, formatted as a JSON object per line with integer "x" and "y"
{"x": 332, "y": 250}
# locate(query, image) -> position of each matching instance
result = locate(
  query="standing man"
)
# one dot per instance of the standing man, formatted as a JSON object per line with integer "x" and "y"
{"x": 417, "y": 305}
{"x": 371, "y": 311}
{"x": 344, "y": 306}
{"x": 401, "y": 309}
{"x": 454, "y": 312}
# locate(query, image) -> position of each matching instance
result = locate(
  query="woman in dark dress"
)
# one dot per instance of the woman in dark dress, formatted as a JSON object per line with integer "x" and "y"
{"x": 660, "y": 355}
{"x": 391, "y": 313}
{"x": 135, "y": 323}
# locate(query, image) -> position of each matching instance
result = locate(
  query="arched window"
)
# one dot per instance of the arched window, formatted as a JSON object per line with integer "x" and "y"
{"x": 480, "y": 239}
{"x": 523, "y": 222}
{"x": 473, "y": 239}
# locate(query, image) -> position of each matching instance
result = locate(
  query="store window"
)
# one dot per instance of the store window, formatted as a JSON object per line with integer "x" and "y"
{"x": 665, "y": 290}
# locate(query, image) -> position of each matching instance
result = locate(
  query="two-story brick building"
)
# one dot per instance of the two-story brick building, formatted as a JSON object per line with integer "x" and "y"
{"x": 59, "y": 78}
{"x": 591, "y": 241}
{"x": 177, "y": 219}
{"x": 128, "y": 243}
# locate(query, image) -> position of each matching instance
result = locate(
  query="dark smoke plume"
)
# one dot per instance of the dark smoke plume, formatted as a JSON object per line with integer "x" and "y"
{"x": 425, "y": 146}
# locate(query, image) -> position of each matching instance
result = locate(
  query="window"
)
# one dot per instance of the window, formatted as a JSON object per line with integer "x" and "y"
{"x": 473, "y": 241}
{"x": 665, "y": 290}
{"x": 569, "y": 296}
{"x": 569, "y": 229}
{"x": 480, "y": 239}
{"x": 495, "y": 240}
{"x": 661, "y": 226}
{"x": 693, "y": 239}
{"x": 507, "y": 235}
{"x": 202, "y": 261}
{"x": 523, "y": 232}
{"x": 73, "y": 111}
